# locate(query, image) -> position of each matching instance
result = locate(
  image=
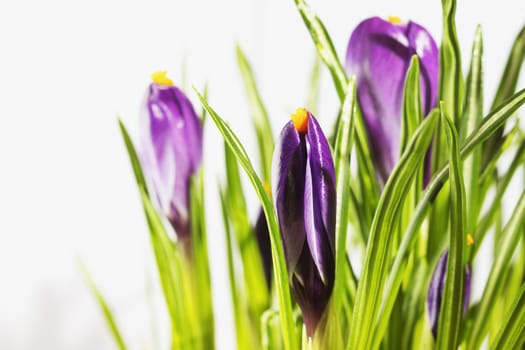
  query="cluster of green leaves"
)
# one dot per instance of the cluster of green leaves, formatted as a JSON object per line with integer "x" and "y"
{"x": 402, "y": 229}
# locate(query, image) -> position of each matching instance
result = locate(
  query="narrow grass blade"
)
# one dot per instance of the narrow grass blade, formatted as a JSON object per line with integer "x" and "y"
{"x": 342, "y": 151}
{"x": 511, "y": 335}
{"x": 470, "y": 121}
{"x": 263, "y": 129}
{"x": 328, "y": 54}
{"x": 489, "y": 125}
{"x": 412, "y": 110}
{"x": 104, "y": 307}
{"x": 379, "y": 245}
{"x": 279, "y": 264}
{"x": 454, "y": 288}
{"x": 312, "y": 101}
{"x": 507, "y": 86}
{"x": 133, "y": 157}
{"x": 511, "y": 235}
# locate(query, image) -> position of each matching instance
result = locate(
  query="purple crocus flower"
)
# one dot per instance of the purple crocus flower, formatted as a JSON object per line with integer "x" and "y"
{"x": 435, "y": 291}
{"x": 170, "y": 149}
{"x": 305, "y": 200}
{"x": 379, "y": 54}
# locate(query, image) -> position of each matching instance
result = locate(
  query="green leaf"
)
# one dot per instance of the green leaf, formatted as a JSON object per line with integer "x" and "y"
{"x": 380, "y": 244}
{"x": 511, "y": 334}
{"x": 412, "y": 111}
{"x": 489, "y": 125}
{"x": 313, "y": 92}
{"x": 253, "y": 272}
{"x": 263, "y": 129}
{"x": 133, "y": 157}
{"x": 279, "y": 264}
{"x": 470, "y": 121}
{"x": 451, "y": 83}
{"x": 507, "y": 86}
{"x": 242, "y": 329}
{"x": 454, "y": 289}
{"x": 104, "y": 307}
{"x": 328, "y": 54}
{"x": 342, "y": 151}
{"x": 510, "y": 238}
{"x": 488, "y": 219}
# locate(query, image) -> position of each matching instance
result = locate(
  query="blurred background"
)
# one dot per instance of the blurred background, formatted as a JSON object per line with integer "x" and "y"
{"x": 69, "y": 68}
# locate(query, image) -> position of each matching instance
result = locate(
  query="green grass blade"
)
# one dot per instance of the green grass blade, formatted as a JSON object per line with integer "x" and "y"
{"x": 279, "y": 264}
{"x": 487, "y": 220}
{"x": 133, "y": 157}
{"x": 507, "y": 86}
{"x": 312, "y": 101}
{"x": 104, "y": 307}
{"x": 263, "y": 129}
{"x": 379, "y": 248}
{"x": 490, "y": 124}
{"x": 328, "y": 54}
{"x": 253, "y": 272}
{"x": 451, "y": 83}
{"x": 454, "y": 289}
{"x": 342, "y": 151}
{"x": 511, "y": 334}
{"x": 412, "y": 111}
{"x": 471, "y": 119}
{"x": 510, "y": 238}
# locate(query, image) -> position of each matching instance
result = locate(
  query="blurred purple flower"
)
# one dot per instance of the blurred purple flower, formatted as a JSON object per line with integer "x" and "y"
{"x": 379, "y": 54}
{"x": 305, "y": 200}
{"x": 435, "y": 291}
{"x": 263, "y": 240}
{"x": 170, "y": 149}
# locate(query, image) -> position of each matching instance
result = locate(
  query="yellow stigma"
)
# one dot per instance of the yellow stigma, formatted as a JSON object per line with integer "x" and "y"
{"x": 300, "y": 120}
{"x": 470, "y": 240}
{"x": 160, "y": 78}
{"x": 394, "y": 20}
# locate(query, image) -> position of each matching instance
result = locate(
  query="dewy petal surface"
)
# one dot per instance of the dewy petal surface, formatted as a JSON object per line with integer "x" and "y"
{"x": 171, "y": 150}
{"x": 379, "y": 54}
{"x": 320, "y": 201}
{"x": 289, "y": 164}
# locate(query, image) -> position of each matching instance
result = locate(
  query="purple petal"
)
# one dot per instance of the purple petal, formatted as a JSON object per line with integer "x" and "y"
{"x": 379, "y": 54}
{"x": 289, "y": 163}
{"x": 320, "y": 201}
{"x": 171, "y": 150}
{"x": 435, "y": 291}
{"x": 263, "y": 240}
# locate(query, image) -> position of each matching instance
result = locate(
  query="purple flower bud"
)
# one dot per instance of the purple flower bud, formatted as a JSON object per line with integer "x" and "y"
{"x": 305, "y": 200}
{"x": 379, "y": 54}
{"x": 263, "y": 240}
{"x": 435, "y": 291}
{"x": 170, "y": 149}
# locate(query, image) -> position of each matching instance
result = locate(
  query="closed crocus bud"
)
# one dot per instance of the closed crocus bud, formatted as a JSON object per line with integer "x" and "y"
{"x": 379, "y": 54}
{"x": 170, "y": 150}
{"x": 305, "y": 200}
{"x": 435, "y": 291}
{"x": 263, "y": 241}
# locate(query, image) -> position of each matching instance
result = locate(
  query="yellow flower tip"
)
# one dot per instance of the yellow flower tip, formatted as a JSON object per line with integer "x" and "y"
{"x": 161, "y": 78}
{"x": 267, "y": 188}
{"x": 300, "y": 120}
{"x": 470, "y": 240}
{"x": 394, "y": 20}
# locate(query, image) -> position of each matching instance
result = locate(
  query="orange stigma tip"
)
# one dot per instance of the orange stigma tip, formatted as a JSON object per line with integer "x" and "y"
{"x": 394, "y": 20}
{"x": 470, "y": 240}
{"x": 160, "y": 78}
{"x": 300, "y": 120}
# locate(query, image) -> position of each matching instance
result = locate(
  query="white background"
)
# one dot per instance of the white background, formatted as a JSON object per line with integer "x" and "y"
{"x": 68, "y": 68}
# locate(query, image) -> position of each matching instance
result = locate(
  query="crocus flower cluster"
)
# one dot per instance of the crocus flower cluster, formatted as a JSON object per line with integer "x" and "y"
{"x": 379, "y": 54}
{"x": 435, "y": 291}
{"x": 305, "y": 200}
{"x": 170, "y": 149}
